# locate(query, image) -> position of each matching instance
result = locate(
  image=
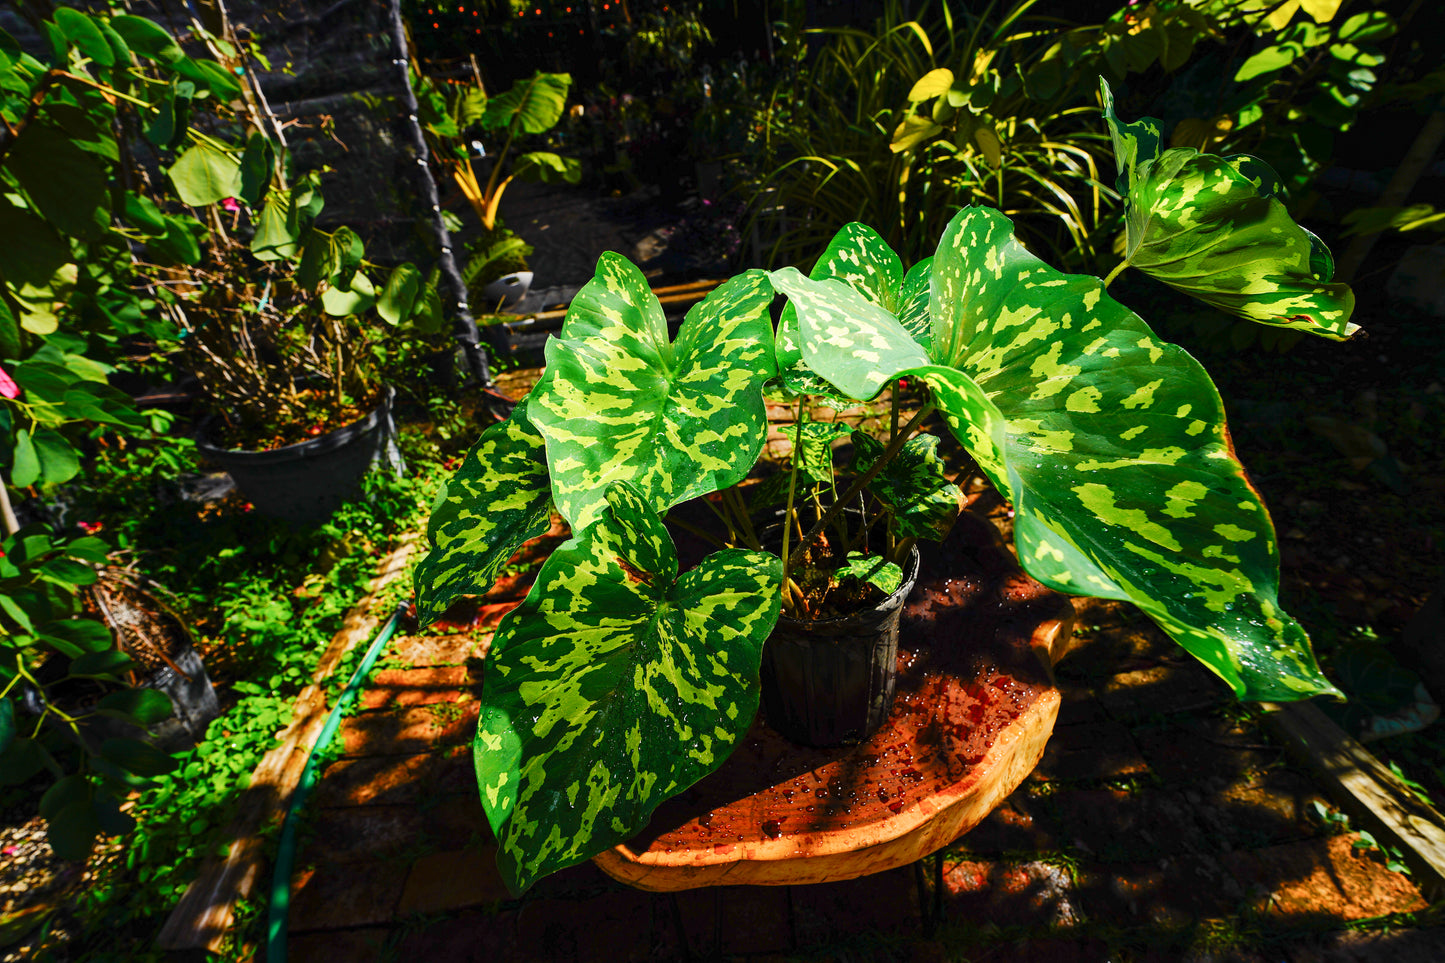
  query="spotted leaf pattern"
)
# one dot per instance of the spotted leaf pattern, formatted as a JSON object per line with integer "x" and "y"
{"x": 860, "y": 258}
{"x": 619, "y": 401}
{"x": 1110, "y": 443}
{"x": 1210, "y": 226}
{"x": 616, "y": 685}
{"x": 914, "y": 485}
{"x": 498, "y": 499}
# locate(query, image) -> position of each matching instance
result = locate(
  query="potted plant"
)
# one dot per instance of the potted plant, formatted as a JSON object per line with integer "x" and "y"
{"x": 461, "y": 122}
{"x": 621, "y": 680}
{"x": 281, "y": 320}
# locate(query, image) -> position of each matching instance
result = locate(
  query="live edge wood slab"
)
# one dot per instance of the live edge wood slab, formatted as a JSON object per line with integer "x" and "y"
{"x": 974, "y": 709}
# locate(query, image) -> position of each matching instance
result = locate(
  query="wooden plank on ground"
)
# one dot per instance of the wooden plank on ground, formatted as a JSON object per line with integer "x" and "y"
{"x": 1368, "y": 791}
{"x": 203, "y": 915}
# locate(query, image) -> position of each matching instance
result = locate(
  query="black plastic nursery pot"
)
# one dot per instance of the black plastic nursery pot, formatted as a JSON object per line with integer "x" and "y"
{"x": 305, "y": 482}
{"x": 830, "y": 682}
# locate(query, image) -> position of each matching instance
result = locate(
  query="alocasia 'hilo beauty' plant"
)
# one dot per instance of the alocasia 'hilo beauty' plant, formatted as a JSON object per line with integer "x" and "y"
{"x": 619, "y": 681}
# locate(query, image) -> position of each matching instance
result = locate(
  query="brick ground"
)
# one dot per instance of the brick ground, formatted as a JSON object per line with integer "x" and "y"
{"x": 1160, "y": 825}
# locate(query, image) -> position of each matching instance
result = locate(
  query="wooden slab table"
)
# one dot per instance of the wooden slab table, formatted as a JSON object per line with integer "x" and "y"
{"x": 974, "y": 709}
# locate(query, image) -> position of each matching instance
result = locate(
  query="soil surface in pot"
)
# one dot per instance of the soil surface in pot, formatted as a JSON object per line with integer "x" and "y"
{"x": 319, "y": 415}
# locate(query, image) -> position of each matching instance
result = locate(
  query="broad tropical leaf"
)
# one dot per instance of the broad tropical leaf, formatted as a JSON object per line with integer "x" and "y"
{"x": 1110, "y": 443}
{"x": 620, "y": 402}
{"x": 531, "y": 106}
{"x": 1211, "y": 227}
{"x": 914, "y": 485}
{"x": 859, "y": 257}
{"x": 548, "y": 168}
{"x": 813, "y": 451}
{"x": 616, "y": 685}
{"x": 496, "y": 501}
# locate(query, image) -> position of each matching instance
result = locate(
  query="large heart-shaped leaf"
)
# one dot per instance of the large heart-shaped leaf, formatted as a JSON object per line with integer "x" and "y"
{"x": 497, "y": 500}
{"x": 619, "y": 402}
{"x": 531, "y": 106}
{"x": 1110, "y": 443}
{"x": 616, "y": 685}
{"x": 1211, "y": 226}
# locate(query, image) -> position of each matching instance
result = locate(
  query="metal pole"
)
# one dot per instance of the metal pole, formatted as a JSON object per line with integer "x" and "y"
{"x": 465, "y": 328}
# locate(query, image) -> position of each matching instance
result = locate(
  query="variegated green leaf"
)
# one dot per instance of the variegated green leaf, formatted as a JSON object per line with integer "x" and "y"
{"x": 814, "y": 454}
{"x": 620, "y": 402}
{"x": 1110, "y": 443}
{"x": 914, "y": 485}
{"x": 616, "y": 685}
{"x": 860, "y": 258}
{"x": 497, "y": 500}
{"x": 913, "y": 303}
{"x": 876, "y": 570}
{"x": 1211, "y": 227}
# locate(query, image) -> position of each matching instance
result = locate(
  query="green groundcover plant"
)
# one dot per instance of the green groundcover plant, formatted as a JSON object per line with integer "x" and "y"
{"x": 621, "y": 680}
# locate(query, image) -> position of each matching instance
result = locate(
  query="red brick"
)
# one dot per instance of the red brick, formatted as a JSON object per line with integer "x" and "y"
{"x": 1425, "y": 945}
{"x": 414, "y": 687}
{"x": 1322, "y": 880}
{"x": 1090, "y": 750}
{"x": 344, "y": 895}
{"x": 1161, "y": 690}
{"x": 407, "y": 731}
{"x": 424, "y": 650}
{"x": 470, "y": 938}
{"x": 1026, "y": 894}
{"x": 360, "y": 833}
{"x": 453, "y": 880}
{"x": 1273, "y": 809}
{"x": 747, "y": 919}
{"x": 354, "y": 946}
{"x": 1169, "y": 891}
{"x": 397, "y": 780}
{"x": 883, "y": 903}
{"x": 1050, "y": 951}
{"x": 1118, "y": 826}
{"x": 1010, "y": 827}
{"x": 1205, "y": 754}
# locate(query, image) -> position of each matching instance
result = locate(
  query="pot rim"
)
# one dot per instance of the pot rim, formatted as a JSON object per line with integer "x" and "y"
{"x": 894, "y": 600}
{"x": 335, "y": 438}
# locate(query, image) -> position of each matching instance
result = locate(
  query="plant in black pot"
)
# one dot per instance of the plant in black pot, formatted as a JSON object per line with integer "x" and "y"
{"x": 282, "y": 321}
{"x": 624, "y": 678}
{"x": 465, "y": 126}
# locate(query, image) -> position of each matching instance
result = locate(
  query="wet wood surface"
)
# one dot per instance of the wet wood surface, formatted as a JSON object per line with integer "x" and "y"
{"x": 974, "y": 710}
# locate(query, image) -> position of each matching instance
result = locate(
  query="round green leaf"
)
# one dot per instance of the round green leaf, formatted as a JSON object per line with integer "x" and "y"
{"x": 143, "y": 706}
{"x": 530, "y": 106}
{"x": 147, "y": 38}
{"x": 136, "y": 757}
{"x": 399, "y": 295}
{"x": 72, "y": 831}
{"x": 205, "y": 175}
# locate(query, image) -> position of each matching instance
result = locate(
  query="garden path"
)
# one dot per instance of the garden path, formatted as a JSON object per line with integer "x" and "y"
{"x": 1163, "y": 823}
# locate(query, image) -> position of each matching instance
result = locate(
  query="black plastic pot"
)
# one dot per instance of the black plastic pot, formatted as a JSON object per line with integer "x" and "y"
{"x": 830, "y": 682}
{"x": 305, "y": 482}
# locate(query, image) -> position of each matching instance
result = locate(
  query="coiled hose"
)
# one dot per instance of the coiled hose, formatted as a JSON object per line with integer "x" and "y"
{"x": 279, "y": 911}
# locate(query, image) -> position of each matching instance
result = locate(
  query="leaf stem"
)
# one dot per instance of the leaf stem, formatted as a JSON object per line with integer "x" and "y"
{"x": 792, "y": 488}
{"x": 894, "y": 447}
{"x": 1115, "y": 273}
{"x": 692, "y": 529}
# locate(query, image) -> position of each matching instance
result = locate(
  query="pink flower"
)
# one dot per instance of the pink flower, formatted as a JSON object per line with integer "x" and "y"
{"x": 8, "y": 387}
{"x": 230, "y": 204}
{"x": 90, "y": 528}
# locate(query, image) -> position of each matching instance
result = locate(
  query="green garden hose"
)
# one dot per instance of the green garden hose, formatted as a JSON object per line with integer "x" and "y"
{"x": 279, "y": 910}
